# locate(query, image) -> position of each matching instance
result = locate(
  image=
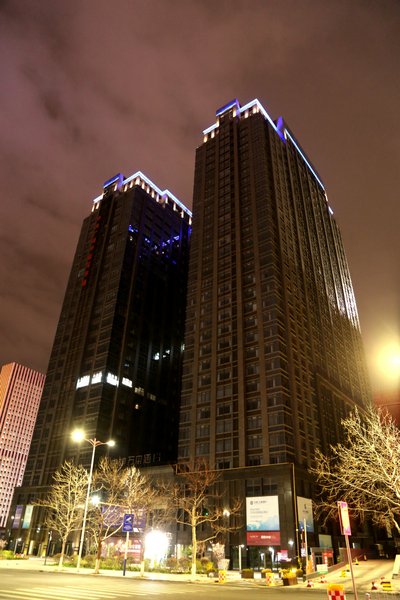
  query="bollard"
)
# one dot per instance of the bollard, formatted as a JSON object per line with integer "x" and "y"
{"x": 269, "y": 579}
{"x": 336, "y": 592}
{"x": 221, "y": 576}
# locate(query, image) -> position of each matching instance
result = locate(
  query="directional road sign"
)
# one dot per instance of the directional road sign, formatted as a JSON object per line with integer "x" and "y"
{"x": 128, "y": 523}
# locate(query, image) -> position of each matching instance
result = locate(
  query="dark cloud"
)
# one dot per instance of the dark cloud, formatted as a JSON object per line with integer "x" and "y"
{"x": 91, "y": 88}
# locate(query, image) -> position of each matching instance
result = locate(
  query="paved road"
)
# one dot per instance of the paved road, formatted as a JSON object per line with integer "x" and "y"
{"x": 31, "y": 585}
{"x": 31, "y": 580}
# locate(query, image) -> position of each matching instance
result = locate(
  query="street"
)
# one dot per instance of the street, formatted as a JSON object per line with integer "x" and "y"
{"x": 32, "y": 580}
{"x": 30, "y": 585}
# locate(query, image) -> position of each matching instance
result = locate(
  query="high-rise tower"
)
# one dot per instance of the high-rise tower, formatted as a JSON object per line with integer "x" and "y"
{"x": 20, "y": 392}
{"x": 115, "y": 366}
{"x": 273, "y": 354}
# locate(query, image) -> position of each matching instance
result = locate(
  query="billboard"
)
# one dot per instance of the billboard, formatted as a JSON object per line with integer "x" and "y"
{"x": 305, "y": 513}
{"x": 344, "y": 518}
{"x": 18, "y": 516}
{"x": 27, "y": 517}
{"x": 262, "y": 521}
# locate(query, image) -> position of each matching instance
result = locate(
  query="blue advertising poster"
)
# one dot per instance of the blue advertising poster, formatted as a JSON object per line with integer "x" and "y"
{"x": 305, "y": 514}
{"x": 17, "y": 516}
{"x": 262, "y": 513}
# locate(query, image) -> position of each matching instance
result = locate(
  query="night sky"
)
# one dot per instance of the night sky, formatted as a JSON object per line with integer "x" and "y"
{"x": 91, "y": 88}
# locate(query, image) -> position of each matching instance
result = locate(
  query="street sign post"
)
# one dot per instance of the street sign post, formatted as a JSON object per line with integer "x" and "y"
{"x": 127, "y": 526}
{"x": 346, "y": 531}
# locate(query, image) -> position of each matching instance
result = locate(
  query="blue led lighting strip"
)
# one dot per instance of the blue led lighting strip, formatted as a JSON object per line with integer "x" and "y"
{"x": 241, "y": 110}
{"x": 291, "y": 138}
{"x": 278, "y": 128}
{"x": 160, "y": 192}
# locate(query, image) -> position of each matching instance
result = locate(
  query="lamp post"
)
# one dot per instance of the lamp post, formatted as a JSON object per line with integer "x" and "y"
{"x": 47, "y": 551}
{"x": 79, "y": 436}
{"x": 240, "y": 556}
{"x": 290, "y": 543}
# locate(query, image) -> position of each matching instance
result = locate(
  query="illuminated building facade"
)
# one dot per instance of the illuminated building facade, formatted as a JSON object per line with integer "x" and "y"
{"x": 20, "y": 392}
{"x": 115, "y": 365}
{"x": 273, "y": 353}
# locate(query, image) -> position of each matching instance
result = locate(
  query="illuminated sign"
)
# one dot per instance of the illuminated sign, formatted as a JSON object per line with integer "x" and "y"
{"x": 262, "y": 521}
{"x": 344, "y": 518}
{"x": 305, "y": 514}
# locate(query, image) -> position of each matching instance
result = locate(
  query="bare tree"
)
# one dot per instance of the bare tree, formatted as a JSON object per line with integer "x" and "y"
{"x": 200, "y": 506}
{"x": 65, "y": 501}
{"x": 364, "y": 470}
{"x": 122, "y": 490}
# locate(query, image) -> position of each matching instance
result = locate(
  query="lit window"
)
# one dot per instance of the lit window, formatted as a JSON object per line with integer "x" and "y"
{"x": 127, "y": 382}
{"x": 97, "y": 377}
{"x": 112, "y": 379}
{"x": 82, "y": 381}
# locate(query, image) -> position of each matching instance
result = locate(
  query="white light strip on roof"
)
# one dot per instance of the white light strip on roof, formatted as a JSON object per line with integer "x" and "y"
{"x": 155, "y": 188}
{"x": 262, "y": 110}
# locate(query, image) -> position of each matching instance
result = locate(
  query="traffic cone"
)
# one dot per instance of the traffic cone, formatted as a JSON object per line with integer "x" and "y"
{"x": 356, "y": 561}
{"x": 373, "y": 585}
{"x": 343, "y": 573}
{"x": 310, "y": 583}
{"x": 323, "y": 579}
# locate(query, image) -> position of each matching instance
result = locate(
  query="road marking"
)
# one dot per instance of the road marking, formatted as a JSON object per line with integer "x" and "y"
{"x": 63, "y": 592}
{"x": 66, "y": 593}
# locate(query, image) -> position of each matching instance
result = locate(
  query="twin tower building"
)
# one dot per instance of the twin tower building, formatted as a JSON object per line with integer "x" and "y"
{"x": 230, "y": 335}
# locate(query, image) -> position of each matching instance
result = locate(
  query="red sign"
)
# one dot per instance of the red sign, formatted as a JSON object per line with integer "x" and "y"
{"x": 263, "y": 538}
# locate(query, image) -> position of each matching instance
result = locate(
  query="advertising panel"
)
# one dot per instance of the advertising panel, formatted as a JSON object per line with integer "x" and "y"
{"x": 262, "y": 521}
{"x": 27, "y": 516}
{"x": 344, "y": 518}
{"x": 305, "y": 513}
{"x": 263, "y": 538}
{"x": 17, "y": 516}
{"x": 262, "y": 513}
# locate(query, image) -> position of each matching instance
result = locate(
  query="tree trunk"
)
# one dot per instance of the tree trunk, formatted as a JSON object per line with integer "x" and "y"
{"x": 60, "y": 562}
{"x": 194, "y": 545}
{"x": 98, "y": 558}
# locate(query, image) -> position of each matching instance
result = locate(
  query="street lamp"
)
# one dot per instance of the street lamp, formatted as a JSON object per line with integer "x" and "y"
{"x": 79, "y": 436}
{"x": 240, "y": 556}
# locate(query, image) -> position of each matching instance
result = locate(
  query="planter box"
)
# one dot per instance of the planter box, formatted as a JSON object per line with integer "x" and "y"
{"x": 289, "y": 581}
{"x": 247, "y": 574}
